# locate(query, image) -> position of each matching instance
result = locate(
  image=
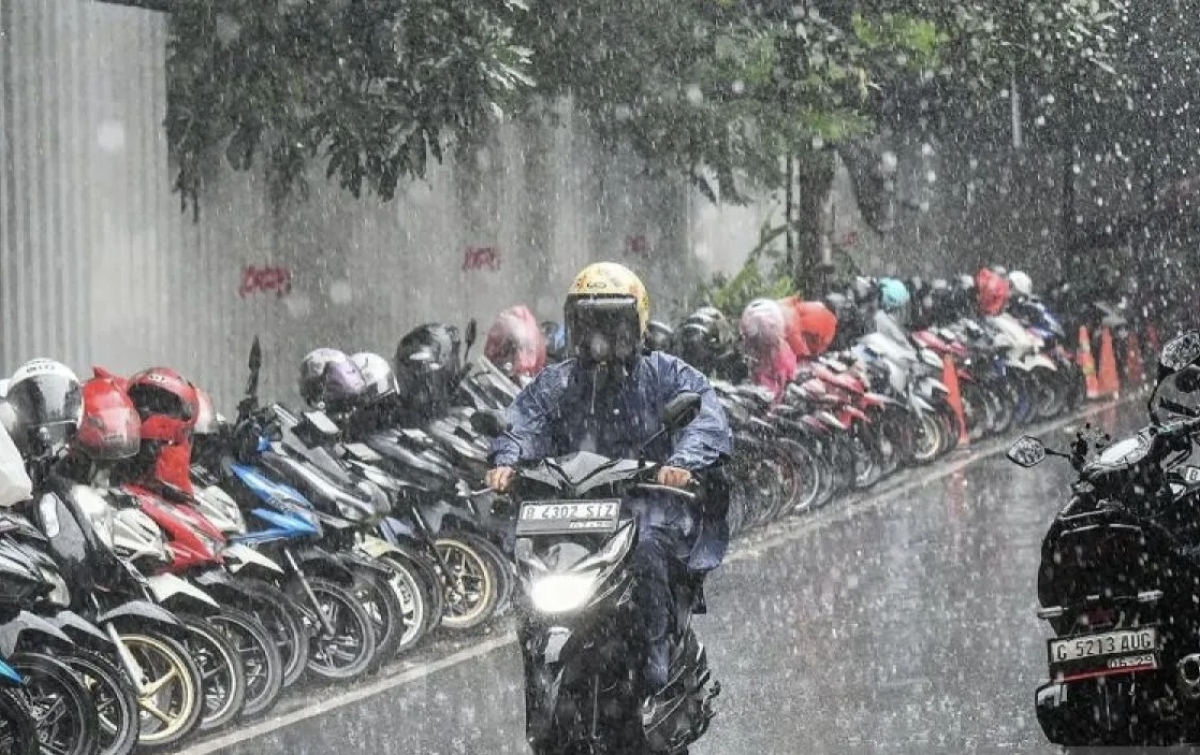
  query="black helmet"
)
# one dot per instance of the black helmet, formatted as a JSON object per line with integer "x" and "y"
{"x": 329, "y": 379}
{"x": 851, "y": 322}
{"x": 705, "y": 339}
{"x": 660, "y": 337}
{"x": 47, "y": 406}
{"x": 428, "y": 366}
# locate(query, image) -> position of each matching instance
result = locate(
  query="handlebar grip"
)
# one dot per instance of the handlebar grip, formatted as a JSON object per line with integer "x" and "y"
{"x": 667, "y": 488}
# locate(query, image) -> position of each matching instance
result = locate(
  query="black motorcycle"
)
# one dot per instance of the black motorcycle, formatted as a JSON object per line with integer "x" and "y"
{"x": 1119, "y": 580}
{"x": 579, "y": 628}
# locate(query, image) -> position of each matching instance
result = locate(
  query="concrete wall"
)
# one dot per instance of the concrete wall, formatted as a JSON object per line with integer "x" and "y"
{"x": 98, "y": 264}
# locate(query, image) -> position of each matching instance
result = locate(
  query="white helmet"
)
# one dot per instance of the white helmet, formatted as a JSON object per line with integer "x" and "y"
{"x": 378, "y": 374}
{"x": 1020, "y": 283}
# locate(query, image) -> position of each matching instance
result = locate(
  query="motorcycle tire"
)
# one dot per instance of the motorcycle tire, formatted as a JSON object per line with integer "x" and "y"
{"x": 224, "y": 675}
{"x": 977, "y": 411}
{"x": 383, "y": 605}
{"x": 414, "y": 599}
{"x": 470, "y": 586}
{"x": 868, "y": 468}
{"x": 116, "y": 701}
{"x": 280, "y": 616}
{"x": 1004, "y": 399}
{"x": 808, "y": 477}
{"x": 260, "y": 658}
{"x": 18, "y": 729}
{"x": 1050, "y": 402}
{"x": 506, "y": 579}
{"x": 429, "y": 573}
{"x": 789, "y": 481}
{"x": 168, "y": 669}
{"x": 928, "y": 439}
{"x": 64, "y": 714}
{"x": 827, "y": 490}
{"x": 348, "y": 653}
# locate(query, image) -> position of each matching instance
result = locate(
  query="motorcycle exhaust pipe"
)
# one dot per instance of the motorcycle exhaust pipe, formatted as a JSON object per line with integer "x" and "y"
{"x": 1188, "y": 670}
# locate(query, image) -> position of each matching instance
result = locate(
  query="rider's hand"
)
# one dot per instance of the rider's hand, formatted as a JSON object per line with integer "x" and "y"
{"x": 674, "y": 477}
{"x": 500, "y": 478}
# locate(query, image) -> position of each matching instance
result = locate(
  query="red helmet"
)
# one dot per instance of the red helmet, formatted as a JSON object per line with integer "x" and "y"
{"x": 991, "y": 291}
{"x": 515, "y": 343}
{"x": 166, "y": 403}
{"x": 111, "y": 428}
{"x": 816, "y": 325}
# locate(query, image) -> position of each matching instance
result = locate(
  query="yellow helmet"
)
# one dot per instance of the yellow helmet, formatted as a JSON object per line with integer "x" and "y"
{"x": 607, "y": 312}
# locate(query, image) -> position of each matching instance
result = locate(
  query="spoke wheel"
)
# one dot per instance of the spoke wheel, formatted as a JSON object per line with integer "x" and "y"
{"x": 471, "y": 593}
{"x": 64, "y": 713}
{"x": 18, "y": 730}
{"x": 170, "y": 698}
{"x": 116, "y": 701}
{"x": 259, "y": 655}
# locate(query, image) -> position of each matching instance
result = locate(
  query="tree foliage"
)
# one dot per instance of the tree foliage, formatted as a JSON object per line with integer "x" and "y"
{"x": 371, "y": 87}
{"x": 719, "y": 91}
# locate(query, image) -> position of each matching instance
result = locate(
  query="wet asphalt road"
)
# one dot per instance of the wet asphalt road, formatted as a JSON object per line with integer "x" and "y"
{"x": 903, "y": 622}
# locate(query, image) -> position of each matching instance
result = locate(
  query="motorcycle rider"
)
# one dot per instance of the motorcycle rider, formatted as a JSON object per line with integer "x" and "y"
{"x": 771, "y": 359}
{"x": 607, "y": 398}
{"x": 516, "y": 345}
{"x": 893, "y": 301}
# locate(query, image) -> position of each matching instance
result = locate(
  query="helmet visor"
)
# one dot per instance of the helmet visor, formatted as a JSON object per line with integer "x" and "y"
{"x": 49, "y": 405}
{"x": 110, "y": 434}
{"x": 603, "y": 330}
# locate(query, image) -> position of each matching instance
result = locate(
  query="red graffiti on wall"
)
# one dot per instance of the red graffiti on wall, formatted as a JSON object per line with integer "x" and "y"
{"x": 637, "y": 246}
{"x": 850, "y": 239}
{"x": 481, "y": 258}
{"x": 265, "y": 280}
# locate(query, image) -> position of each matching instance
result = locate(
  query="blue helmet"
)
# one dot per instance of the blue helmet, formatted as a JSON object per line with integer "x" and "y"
{"x": 893, "y": 294}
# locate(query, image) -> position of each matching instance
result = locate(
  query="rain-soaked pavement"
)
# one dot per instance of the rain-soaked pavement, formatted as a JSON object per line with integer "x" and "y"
{"x": 901, "y": 623}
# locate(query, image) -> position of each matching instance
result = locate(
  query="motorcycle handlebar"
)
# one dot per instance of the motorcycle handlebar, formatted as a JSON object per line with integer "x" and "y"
{"x": 667, "y": 488}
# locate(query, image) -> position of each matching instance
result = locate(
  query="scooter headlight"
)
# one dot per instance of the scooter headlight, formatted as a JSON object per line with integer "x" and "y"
{"x": 562, "y": 593}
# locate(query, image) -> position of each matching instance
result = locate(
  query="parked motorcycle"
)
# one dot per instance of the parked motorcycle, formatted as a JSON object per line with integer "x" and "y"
{"x": 1118, "y": 575}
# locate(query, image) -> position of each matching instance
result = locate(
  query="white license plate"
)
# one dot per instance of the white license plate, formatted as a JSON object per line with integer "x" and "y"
{"x": 563, "y": 517}
{"x": 1121, "y": 642}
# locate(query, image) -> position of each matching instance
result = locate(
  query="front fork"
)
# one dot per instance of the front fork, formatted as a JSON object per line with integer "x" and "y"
{"x": 326, "y": 625}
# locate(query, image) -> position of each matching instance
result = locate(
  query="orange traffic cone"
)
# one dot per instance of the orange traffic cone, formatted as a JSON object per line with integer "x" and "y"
{"x": 1107, "y": 374}
{"x": 1135, "y": 374}
{"x": 950, "y": 378}
{"x": 1087, "y": 364}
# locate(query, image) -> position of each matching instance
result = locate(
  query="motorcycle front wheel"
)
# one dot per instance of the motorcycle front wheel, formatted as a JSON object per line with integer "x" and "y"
{"x": 115, "y": 698}
{"x": 224, "y": 676}
{"x": 64, "y": 713}
{"x": 259, "y": 655}
{"x": 346, "y": 652}
{"x": 18, "y": 730}
{"x": 470, "y": 585}
{"x": 171, "y": 697}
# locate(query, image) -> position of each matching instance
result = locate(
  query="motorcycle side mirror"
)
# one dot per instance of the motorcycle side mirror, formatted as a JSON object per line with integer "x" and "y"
{"x": 1027, "y": 452}
{"x": 489, "y": 423}
{"x": 1188, "y": 380}
{"x": 255, "y": 355}
{"x": 681, "y": 410}
{"x": 472, "y": 332}
{"x": 1178, "y": 353}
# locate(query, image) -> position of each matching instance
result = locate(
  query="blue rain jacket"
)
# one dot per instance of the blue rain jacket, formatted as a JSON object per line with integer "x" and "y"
{"x": 561, "y": 413}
